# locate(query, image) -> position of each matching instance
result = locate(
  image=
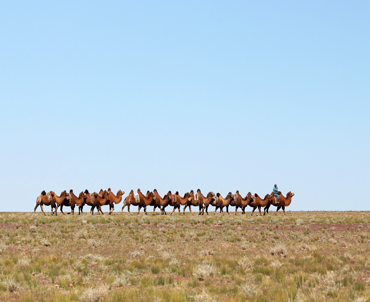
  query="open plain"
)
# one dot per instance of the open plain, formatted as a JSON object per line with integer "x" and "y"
{"x": 303, "y": 256}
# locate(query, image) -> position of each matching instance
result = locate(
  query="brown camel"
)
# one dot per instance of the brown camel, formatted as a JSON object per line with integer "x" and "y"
{"x": 221, "y": 202}
{"x": 79, "y": 201}
{"x": 283, "y": 201}
{"x": 89, "y": 200}
{"x": 194, "y": 201}
{"x": 240, "y": 202}
{"x": 63, "y": 200}
{"x": 177, "y": 201}
{"x": 145, "y": 200}
{"x": 101, "y": 200}
{"x": 205, "y": 201}
{"x": 258, "y": 202}
{"x": 45, "y": 199}
{"x": 162, "y": 203}
{"x": 132, "y": 200}
{"x": 114, "y": 199}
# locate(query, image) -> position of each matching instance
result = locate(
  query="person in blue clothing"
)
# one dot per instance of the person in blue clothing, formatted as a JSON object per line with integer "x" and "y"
{"x": 275, "y": 192}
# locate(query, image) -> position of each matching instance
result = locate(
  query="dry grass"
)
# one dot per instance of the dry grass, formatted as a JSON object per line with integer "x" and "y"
{"x": 304, "y": 256}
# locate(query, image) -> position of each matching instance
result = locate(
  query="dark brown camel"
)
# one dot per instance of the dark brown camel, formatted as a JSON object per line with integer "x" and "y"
{"x": 221, "y": 202}
{"x": 160, "y": 202}
{"x": 258, "y": 202}
{"x": 114, "y": 199}
{"x": 45, "y": 199}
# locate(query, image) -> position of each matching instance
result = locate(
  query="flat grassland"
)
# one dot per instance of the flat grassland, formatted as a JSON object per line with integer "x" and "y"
{"x": 303, "y": 256}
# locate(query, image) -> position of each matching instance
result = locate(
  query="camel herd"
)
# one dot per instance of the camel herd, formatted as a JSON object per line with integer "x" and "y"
{"x": 107, "y": 197}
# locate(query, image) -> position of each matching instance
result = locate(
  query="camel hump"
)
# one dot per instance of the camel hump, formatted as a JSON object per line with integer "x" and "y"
{"x": 43, "y": 193}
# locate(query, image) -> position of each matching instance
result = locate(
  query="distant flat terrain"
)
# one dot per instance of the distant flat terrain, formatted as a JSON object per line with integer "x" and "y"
{"x": 303, "y": 256}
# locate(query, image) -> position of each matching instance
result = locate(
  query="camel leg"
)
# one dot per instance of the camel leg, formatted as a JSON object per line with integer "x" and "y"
{"x": 190, "y": 210}
{"x": 253, "y": 210}
{"x": 236, "y": 210}
{"x": 201, "y": 212}
{"x": 123, "y": 206}
{"x": 128, "y": 209}
{"x": 207, "y": 209}
{"x": 259, "y": 209}
{"x": 283, "y": 207}
{"x": 216, "y": 210}
{"x": 227, "y": 210}
{"x": 99, "y": 209}
{"x": 266, "y": 210}
{"x": 154, "y": 209}
{"x": 138, "y": 212}
{"x": 278, "y": 208}
{"x": 185, "y": 208}
{"x": 112, "y": 209}
{"x": 42, "y": 209}
{"x": 56, "y": 210}
{"x": 36, "y": 207}
{"x": 61, "y": 209}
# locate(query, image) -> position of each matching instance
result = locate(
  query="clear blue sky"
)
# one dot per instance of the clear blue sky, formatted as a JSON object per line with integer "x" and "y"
{"x": 181, "y": 95}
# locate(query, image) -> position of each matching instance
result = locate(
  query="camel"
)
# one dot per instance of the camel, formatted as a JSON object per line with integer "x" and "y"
{"x": 63, "y": 200}
{"x": 101, "y": 200}
{"x": 89, "y": 200}
{"x": 194, "y": 201}
{"x": 205, "y": 201}
{"x": 240, "y": 202}
{"x": 132, "y": 200}
{"x": 160, "y": 202}
{"x": 177, "y": 200}
{"x": 283, "y": 201}
{"x": 45, "y": 199}
{"x": 221, "y": 202}
{"x": 79, "y": 201}
{"x": 145, "y": 200}
{"x": 114, "y": 199}
{"x": 258, "y": 202}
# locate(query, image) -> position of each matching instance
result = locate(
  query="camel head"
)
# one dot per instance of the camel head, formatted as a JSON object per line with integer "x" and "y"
{"x": 290, "y": 194}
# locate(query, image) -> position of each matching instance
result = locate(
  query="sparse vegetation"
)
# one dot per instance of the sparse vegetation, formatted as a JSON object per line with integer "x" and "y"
{"x": 303, "y": 256}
